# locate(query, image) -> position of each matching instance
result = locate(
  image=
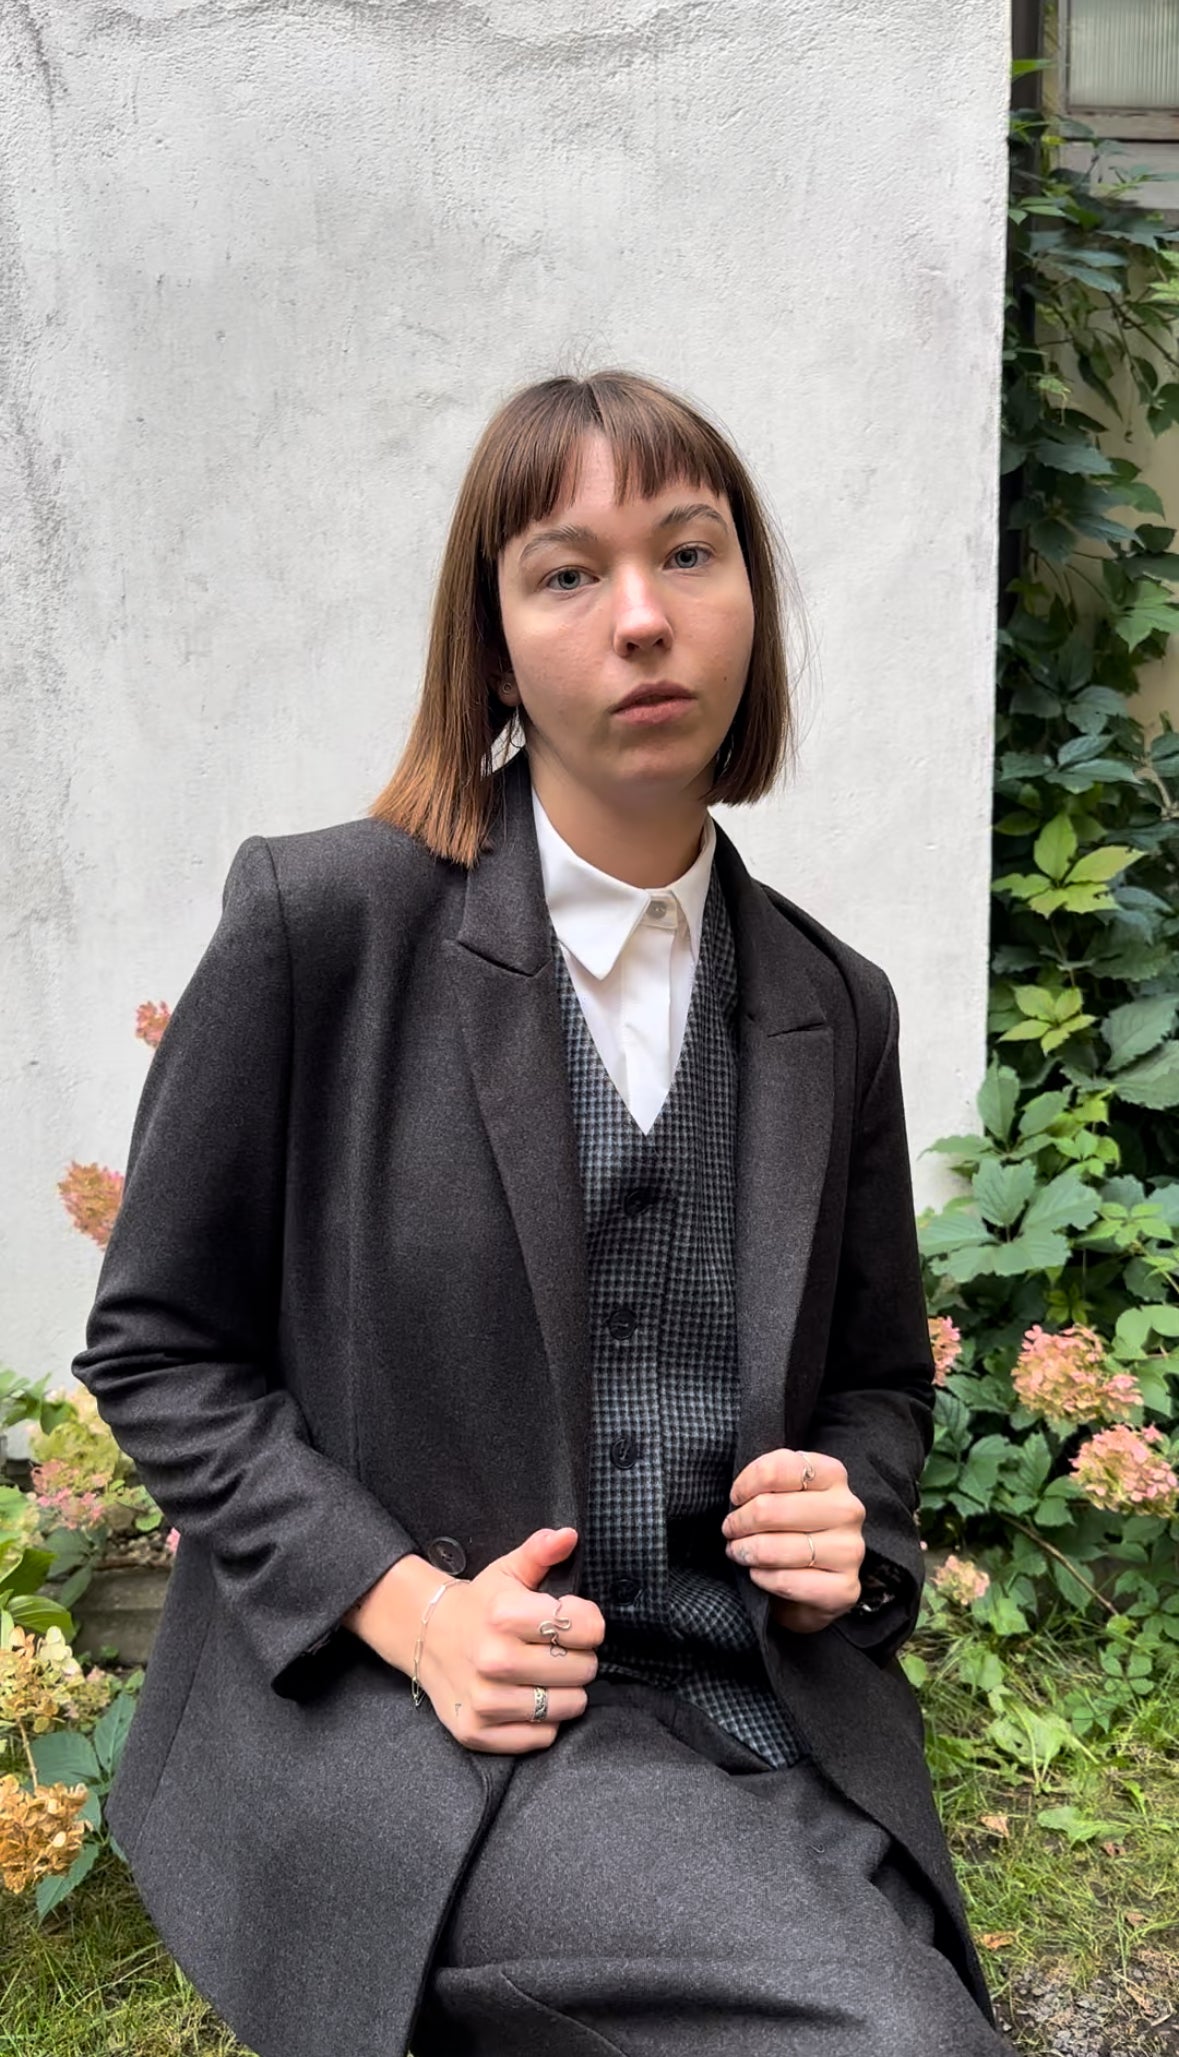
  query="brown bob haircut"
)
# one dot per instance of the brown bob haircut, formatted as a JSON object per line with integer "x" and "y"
{"x": 442, "y": 791}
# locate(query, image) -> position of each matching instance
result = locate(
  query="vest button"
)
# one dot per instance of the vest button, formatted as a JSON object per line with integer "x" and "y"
{"x": 638, "y": 1198}
{"x": 625, "y": 1449}
{"x": 622, "y": 1322}
{"x": 446, "y": 1555}
{"x": 626, "y": 1590}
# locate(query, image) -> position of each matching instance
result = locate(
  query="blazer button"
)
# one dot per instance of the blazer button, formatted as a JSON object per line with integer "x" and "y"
{"x": 622, "y": 1322}
{"x": 625, "y": 1449}
{"x": 637, "y": 1200}
{"x": 447, "y": 1555}
{"x": 624, "y": 1590}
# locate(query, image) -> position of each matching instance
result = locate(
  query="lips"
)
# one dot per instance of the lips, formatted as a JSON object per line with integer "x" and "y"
{"x": 659, "y": 689}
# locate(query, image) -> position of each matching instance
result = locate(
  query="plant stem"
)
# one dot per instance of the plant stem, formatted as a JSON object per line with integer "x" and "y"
{"x": 1061, "y": 1559}
{"x": 28, "y": 1751}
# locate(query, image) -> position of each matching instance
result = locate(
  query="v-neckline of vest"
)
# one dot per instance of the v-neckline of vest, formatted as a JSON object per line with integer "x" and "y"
{"x": 686, "y": 1045}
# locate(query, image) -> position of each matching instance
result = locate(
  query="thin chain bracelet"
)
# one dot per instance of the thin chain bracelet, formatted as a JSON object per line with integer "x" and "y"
{"x": 415, "y": 1684}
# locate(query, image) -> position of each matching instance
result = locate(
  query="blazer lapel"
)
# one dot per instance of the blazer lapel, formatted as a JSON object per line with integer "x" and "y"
{"x": 505, "y": 989}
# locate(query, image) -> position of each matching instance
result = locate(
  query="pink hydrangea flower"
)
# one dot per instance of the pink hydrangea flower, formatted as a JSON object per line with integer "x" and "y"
{"x": 946, "y": 1341}
{"x": 960, "y": 1580}
{"x": 1065, "y": 1378}
{"x": 1118, "y": 1469}
{"x": 172, "y": 1538}
{"x": 151, "y": 1019}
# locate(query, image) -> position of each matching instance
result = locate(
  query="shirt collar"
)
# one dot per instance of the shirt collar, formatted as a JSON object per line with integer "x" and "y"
{"x": 595, "y": 914}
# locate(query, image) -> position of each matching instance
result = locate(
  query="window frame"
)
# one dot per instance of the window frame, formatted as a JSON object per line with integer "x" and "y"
{"x": 1157, "y": 125}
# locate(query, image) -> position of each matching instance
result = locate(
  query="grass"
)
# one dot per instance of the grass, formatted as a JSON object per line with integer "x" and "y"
{"x": 95, "y": 1981}
{"x": 1081, "y": 1909}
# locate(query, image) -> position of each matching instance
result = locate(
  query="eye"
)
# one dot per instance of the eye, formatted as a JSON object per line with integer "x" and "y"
{"x": 566, "y": 569}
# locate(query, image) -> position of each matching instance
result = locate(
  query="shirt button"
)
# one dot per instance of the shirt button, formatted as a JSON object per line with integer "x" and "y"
{"x": 622, "y": 1322}
{"x": 625, "y": 1449}
{"x": 658, "y": 908}
{"x": 626, "y": 1590}
{"x": 638, "y": 1198}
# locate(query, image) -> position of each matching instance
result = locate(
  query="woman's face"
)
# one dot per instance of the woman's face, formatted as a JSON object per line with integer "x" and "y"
{"x": 653, "y": 590}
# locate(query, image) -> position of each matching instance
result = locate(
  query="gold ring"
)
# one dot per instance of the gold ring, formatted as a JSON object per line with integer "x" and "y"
{"x": 808, "y": 1473}
{"x": 540, "y": 1703}
{"x": 811, "y": 1541}
{"x": 550, "y": 1628}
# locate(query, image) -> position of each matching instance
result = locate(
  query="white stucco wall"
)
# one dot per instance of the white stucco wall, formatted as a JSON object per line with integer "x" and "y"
{"x": 266, "y": 266}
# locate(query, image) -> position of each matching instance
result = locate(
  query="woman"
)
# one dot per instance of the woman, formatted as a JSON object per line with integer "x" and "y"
{"x": 515, "y": 1304}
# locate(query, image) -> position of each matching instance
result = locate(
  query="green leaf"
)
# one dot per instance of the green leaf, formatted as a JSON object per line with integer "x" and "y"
{"x": 110, "y": 1733}
{"x": 1033, "y": 1463}
{"x": 915, "y": 1668}
{"x": 980, "y": 1668}
{"x": 1040, "y": 1113}
{"x": 1003, "y": 1190}
{"x": 31, "y": 1611}
{"x": 1078, "y": 1827}
{"x": 1065, "y": 1202}
{"x": 1098, "y": 866}
{"x": 1039, "y": 1249}
{"x": 66, "y": 1757}
{"x": 50, "y": 1892}
{"x": 1055, "y": 846}
{"x": 1001, "y": 1614}
{"x": 29, "y": 1572}
{"x": 1133, "y": 1030}
{"x": 998, "y": 1097}
{"x": 952, "y": 1231}
{"x": 1154, "y": 1083}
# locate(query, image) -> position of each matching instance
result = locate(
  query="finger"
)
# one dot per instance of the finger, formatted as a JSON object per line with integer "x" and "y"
{"x": 506, "y": 1661}
{"x": 515, "y": 1612}
{"x": 802, "y": 1620}
{"x": 491, "y": 1702}
{"x": 782, "y": 1471}
{"x": 512, "y": 1739}
{"x": 831, "y": 1591}
{"x": 835, "y": 1508}
{"x": 837, "y": 1550}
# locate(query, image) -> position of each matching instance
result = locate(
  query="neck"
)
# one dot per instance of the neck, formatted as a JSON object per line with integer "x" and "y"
{"x": 646, "y": 846}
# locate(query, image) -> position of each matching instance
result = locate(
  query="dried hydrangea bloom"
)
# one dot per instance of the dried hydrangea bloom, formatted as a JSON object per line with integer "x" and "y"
{"x": 43, "y": 1685}
{"x": 946, "y": 1341}
{"x": 40, "y": 1832}
{"x": 1065, "y": 1378}
{"x": 961, "y": 1581}
{"x": 1118, "y": 1469}
{"x": 92, "y": 1194}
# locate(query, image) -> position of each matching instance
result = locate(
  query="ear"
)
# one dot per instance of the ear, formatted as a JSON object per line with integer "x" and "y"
{"x": 507, "y": 690}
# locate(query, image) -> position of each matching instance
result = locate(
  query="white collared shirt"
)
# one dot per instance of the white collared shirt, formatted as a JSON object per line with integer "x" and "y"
{"x": 631, "y": 953}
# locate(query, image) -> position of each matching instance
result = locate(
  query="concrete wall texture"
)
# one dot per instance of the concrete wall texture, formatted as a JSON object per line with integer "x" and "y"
{"x": 266, "y": 267}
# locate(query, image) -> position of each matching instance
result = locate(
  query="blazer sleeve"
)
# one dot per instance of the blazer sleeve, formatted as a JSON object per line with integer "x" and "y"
{"x": 875, "y": 1408}
{"x": 181, "y": 1352}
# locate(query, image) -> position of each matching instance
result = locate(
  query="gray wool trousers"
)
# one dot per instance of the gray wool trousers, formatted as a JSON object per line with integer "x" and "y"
{"x": 651, "y": 1887}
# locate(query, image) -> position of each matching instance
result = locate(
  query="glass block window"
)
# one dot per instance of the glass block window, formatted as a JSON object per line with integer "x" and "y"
{"x": 1123, "y": 54}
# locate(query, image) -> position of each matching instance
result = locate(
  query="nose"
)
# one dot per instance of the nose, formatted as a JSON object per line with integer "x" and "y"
{"x": 640, "y": 617}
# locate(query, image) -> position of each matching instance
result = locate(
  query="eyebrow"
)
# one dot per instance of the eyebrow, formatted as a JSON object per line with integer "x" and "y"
{"x": 572, "y": 532}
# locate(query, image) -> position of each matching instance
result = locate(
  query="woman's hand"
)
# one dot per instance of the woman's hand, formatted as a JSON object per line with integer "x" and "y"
{"x": 768, "y": 1528}
{"x": 483, "y": 1651}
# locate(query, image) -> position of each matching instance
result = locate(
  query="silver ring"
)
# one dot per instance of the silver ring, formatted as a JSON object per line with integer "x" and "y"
{"x": 811, "y": 1559}
{"x": 808, "y": 1473}
{"x": 549, "y": 1629}
{"x": 540, "y": 1703}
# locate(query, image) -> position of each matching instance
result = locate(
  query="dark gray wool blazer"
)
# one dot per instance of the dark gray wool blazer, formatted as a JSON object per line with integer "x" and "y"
{"x": 342, "y": 1315}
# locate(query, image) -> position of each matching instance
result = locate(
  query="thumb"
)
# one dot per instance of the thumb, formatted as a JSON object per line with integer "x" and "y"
{"x": 537, "y": 1554}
